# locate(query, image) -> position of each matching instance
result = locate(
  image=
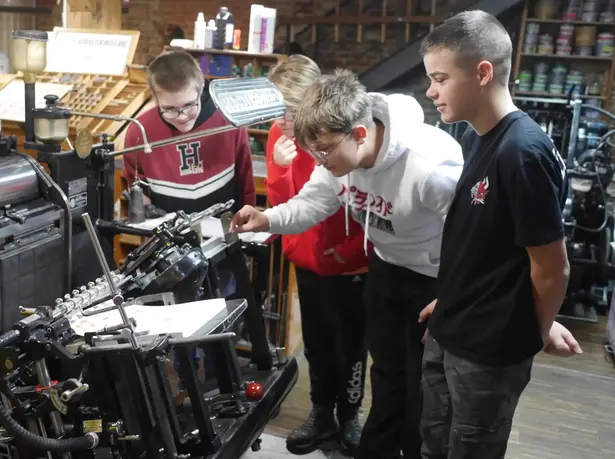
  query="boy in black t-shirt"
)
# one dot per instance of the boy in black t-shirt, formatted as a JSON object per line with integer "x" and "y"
{"x": 504, "y": 267}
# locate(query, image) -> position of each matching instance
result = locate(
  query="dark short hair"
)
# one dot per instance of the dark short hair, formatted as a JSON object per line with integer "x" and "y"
{"x": 474, "y": 36}
{"x": 174, "y": 71}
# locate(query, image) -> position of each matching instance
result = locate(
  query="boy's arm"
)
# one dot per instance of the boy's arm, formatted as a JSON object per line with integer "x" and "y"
{"x": 280, "y": 187}
{"x": 316, "y": 201}
{"x": 245, "y": 192}
{"x": 438, "y": 188}
{"x": 533, "y": 194}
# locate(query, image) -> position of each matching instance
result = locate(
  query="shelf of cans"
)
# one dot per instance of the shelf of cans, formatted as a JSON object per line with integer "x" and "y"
{"x": 585, "y": 28}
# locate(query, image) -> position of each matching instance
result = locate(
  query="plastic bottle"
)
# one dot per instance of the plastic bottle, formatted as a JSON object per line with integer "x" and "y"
{"x": 210, "y": 34}
{"x": 224, "y": 29}
{"x": 199, "y": 32}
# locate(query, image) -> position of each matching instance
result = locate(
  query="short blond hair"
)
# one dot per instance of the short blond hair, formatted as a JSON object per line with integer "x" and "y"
{"x": 293, "y": 77}
{"x": 334, "y": 104}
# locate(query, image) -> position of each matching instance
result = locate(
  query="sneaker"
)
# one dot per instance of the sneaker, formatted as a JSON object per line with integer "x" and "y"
{"x": 350, "y": 435}
{"x": 319, "y": 428}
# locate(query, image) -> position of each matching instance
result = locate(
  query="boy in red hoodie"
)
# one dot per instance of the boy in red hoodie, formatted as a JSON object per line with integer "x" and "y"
{"x": 329, "y": 263}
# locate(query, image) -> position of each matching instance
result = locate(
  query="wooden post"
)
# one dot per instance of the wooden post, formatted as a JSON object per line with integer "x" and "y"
{"x": 94, "y": 14}
{"x": 360, "y": 26}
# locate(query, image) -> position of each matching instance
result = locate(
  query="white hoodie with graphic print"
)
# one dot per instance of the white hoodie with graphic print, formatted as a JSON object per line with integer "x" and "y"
{"x": 401, "y": 201}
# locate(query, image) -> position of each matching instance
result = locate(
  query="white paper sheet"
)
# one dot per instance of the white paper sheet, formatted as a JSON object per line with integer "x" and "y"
{"x": 152, "y": 223}
{"x": 13, "y": 102}
{"x": 184, "y": 319}
{"x": 212, "y": 227}
{"x": 89, "y": 52}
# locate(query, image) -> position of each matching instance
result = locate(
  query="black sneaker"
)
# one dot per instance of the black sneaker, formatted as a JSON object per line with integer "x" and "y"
{"x": 350, "y": 435}
{"x": 319, "y": 429}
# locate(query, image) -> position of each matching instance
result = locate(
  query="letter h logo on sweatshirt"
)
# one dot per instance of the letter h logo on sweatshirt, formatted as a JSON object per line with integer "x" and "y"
{"x": 190, "y": 158}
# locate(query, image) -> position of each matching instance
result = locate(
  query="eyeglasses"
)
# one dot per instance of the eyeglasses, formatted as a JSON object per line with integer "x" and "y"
{"x": 321, "y": 155}
{"x": 188, "y": 110}
{"x": 289, "y": 116}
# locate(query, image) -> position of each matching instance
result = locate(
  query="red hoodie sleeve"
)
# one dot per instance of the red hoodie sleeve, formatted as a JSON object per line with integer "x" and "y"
{"x": 280, "y": 187}
{"x": 130, "y": 160}
{"x": 245, "y": 192}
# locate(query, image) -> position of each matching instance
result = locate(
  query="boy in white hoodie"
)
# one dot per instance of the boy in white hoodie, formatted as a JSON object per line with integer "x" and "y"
{"x": 396, "y": 176}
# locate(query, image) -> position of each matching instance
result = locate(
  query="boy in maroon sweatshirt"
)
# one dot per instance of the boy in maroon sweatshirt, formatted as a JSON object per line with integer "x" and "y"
{"x": 193, "y": 175}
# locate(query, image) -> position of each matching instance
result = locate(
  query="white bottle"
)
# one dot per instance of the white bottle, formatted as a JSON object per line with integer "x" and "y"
{"x": 199, "y": 32}
{"x": 210, "y": 33}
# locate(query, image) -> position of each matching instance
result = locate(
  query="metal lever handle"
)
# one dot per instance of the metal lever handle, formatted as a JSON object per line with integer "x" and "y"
{"x": 118, "y": 299}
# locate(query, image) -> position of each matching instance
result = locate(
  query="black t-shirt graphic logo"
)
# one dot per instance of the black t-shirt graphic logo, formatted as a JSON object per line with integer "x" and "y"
{"x": 479, "y": 191}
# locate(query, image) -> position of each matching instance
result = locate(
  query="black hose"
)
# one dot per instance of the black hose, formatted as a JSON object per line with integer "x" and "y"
{"x": 14, "y": 429}
{"x": 8, "y": 338}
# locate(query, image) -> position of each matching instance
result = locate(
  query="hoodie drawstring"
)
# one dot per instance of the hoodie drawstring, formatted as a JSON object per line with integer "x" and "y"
{"x": 347, "y": 204}
{"x": 366, "y": 230}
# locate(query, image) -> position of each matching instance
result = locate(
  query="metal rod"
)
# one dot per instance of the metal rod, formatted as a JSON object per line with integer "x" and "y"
{"x": 574, "y": 132}
{"x": 215, "y": 338}
{"x": 180, "y": 138}
{"x": 30, "y": 99}
{"x": 541, "y": 100}
{"x": 145, "y": 147}
{"x": 99, "y": 252}
{"x": 42, "y": 375}
{"x": 118, "y": 300}
{"x": 599, "y": 110}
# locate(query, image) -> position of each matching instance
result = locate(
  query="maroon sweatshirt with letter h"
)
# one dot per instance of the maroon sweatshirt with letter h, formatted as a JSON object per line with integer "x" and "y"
{"x": 193, "y": 175}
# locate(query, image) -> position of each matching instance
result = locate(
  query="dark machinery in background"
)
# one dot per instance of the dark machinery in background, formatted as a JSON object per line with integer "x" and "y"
{"x": 584, "y": 143}
{"x": 107, "y": 394}
{"x": 589, "y": 221}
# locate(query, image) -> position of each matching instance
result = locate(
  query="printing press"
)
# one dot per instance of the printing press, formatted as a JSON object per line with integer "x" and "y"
{"x": 85, "y": 348}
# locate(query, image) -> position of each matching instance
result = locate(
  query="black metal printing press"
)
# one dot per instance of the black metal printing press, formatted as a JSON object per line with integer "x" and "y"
{"x": 69, "y": 391}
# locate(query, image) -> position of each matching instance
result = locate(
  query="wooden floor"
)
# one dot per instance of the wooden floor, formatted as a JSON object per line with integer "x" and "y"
{"x": 567, "y": 411}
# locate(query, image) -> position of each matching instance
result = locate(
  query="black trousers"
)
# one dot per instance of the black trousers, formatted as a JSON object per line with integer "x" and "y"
{"x": 333, "y": 327}
{"x": 394, "y": 297}
{"x": 468, "y": 408}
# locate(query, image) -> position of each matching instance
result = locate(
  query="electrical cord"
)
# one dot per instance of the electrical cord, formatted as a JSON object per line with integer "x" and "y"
{"x": 19, "y": 433}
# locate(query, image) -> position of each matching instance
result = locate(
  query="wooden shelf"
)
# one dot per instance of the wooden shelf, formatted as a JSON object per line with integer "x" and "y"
{"x": 550, "y": 94}
{"x": 564, "y": 56}
{"x": 563, "y": 22}
{"x": 258, "y": 132}
{"x": 24, "y": 10}
{"x": 231, "y": 52}
{"x": 358, "y": 20}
